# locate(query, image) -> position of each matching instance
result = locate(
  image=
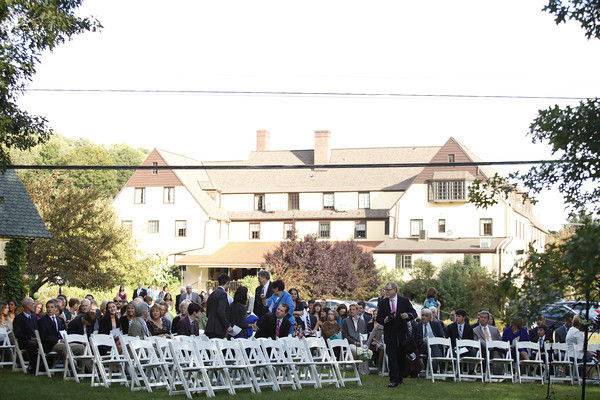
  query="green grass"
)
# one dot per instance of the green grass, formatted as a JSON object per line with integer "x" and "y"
{"x": 17, "y": 386}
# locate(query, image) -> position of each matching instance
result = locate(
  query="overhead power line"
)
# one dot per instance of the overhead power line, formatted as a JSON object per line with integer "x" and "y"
{"x": 292, "y": 93}
{"x": 283, "y": 166}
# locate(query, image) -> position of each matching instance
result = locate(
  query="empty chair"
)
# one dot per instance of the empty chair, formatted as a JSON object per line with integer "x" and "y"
{"x": 109, "y": 365}
{"x": 533, "y": 368}
{"x": 345, "y": 361}
{"x": 283, "y": 367}
{"x": 440, "y": 366}
{"x": 304, "y": 366}
{"x": 239, "y": 369}
{"x": 163, "y": 350}
{"x": 469, "y": 360}
{"x": 261, "y": 370}
{"x": 76, "y": 365}
{"x": 7, "y": 350}
{"x": 210, "y": 356}
{"x": 49, "y": 362}
{"x": 560, "y": 367}
{"x": 499, "y": 363}
{"x": 148, "y": 368}
{"x": 188, "y": 371}
{"x": 324, "y": 361}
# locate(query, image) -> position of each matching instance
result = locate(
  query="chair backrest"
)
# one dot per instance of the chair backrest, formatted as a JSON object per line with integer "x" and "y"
{"x": 274, "y": 350}
{"x": 253, "y": 351}
{"x": 318, "y": 349}
{"x": 143, "y": 351}
{"x": 73, "y": 338}
{"x": 344, "y": 352}
{"x": 466, "y": 343}
{"x": 231, "y": 351}
{"x": 4, "y": 339}
{"x": 208, "y": 352}
{"x": 438, "y": 341}
{"x": 497, "y": 344}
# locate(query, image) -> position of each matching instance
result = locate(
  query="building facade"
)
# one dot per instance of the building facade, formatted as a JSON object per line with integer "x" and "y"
{"x": 210, "y": 219}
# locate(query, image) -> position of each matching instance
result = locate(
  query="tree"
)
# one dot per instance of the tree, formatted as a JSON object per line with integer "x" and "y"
{"x": 324, "y": 269}
{"x": 16, "y": 259}
{"x": 27, "y": 29}
{"x": 88, "y": 248}
{"x": 586, "y": 12}
{"x": 423, "y": 277}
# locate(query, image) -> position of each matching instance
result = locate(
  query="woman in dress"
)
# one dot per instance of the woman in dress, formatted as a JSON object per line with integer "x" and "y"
{"x": 156, "y": 323}
{"x": 126, "y": 319}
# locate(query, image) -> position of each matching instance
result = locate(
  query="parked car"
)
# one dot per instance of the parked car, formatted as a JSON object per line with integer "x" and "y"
{"x": 333, "y": 303}
{"x": 554, "y": 313}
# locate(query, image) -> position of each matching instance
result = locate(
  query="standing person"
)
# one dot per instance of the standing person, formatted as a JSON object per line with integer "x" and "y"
{"x": 122, "y": 295}
{"x": 218, "y": 310}
{"x": 139, "y": 292}
{"x": 239, "y": 311}
{"x": 431, "y": 300}
{"x": 394, "y": 312}
{"x": 191, "y": 296}
{"x": 263, "y": 291}
{"x": 280, "y": 296}
{"x": 179, "y": 298}
{"x": 560, "y": 334}
{"x": 162, "y": 293}
{"x": 25, "y": 326}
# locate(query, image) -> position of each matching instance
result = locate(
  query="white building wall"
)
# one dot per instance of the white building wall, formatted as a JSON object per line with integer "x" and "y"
{"x": 383, "y": 200}
{"x": 238, "y": 202}
{"x": 164, "y": 242}
{"x": 239, "y": 231}
{"x": 276, "y": 201}
{"x": 346, "y": 201}
{"x": 304, "y": 228}
{"x": 462, "y": 219}
{"x": 311, "y": 201}
{"x": 271, "y": 231}
{"x": 342, "y": 230}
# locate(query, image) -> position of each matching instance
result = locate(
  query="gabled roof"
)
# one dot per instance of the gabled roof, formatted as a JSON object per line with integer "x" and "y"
{"x": 291, "y": 215}
{"x": 18, "y": 215}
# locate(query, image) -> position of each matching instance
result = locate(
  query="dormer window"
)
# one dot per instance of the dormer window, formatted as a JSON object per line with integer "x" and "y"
{"x": 447, "y": 191}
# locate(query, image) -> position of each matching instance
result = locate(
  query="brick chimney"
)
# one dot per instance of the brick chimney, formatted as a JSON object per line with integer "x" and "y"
{"x": 322, "y": 151}
{"x": 262, "y": 140}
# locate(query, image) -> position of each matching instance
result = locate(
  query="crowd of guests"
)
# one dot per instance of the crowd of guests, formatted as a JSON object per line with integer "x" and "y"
{"x": 273, "y": 313}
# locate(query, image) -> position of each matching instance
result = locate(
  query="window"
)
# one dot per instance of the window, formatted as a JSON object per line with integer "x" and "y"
{"x": 139, "y": 196}
{"x": 450, "y": 158}
{"x": 386, "y": 227}
{"x": 255, "y": 231}
{"x": 447, "y": 191}
{"x": 360, "y": 229}
{"x": 328, "y": 201}
{"x": 416, "y": 226}
{"x": 288, "y": 230}
{"x": 403, "y": 260}
{"x": 474, "y": 258}
{"x": 293, "y": 201}
{"x": 128, "y": 225}
{"x": 259, "y": 202}
{"x": 441, "y": 226}
{"x": 363, "y": 200}
{"x": 168, "y": 195}
{"x": 485, "y": 227}
{"x": 153, "y": 226}
{"x": 155, "y": 171}
{"x": 180, "y": 228}
{"x": 324, "y": 230}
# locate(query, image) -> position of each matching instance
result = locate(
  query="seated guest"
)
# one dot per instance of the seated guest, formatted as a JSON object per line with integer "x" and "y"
{"x": 281, "y": 296}
{"x": 362, "y": 313}
{"x": 560, "y": 334}
{"x": 414, "y": 349}
{"x": 514, "y": 333}
{"x": 460, "y": 328}
{"x": 575, "y": 337}
{"x": 138, "y": 326}
{"x": 353, "y": 327}
{"x": 157, "y": 325}
{"x": 39, "y": 310}
{"x": 375, "y": 341}
{"x": 430, "y": 328}
{"x": 164, "y": 312}
{"x": 110, "y": 320}
{"x": 533, "y": 332}
{"x": 274, "y": 325}
{"x": 188, "y": 325}
{"x": 342, "y": 312}
{"x": 435, "y": 317}
{"x": 24, "y": 326}
{"x": 49, "y": 327}
{"x": 61, "y": 306}
{"x": 543, "y": 339}
{"x": 299, "y": 304}
{"x": 84, "y": 307}
{"x": 73, "y": 308}
{"x": 239, "y": 311}
{"x": 483, "y": 331}
{"x": 83, "y": 324}
{"x": 330, "y": 329}
{"x": 183, "y": 312}
{"x": 127, "y": 317}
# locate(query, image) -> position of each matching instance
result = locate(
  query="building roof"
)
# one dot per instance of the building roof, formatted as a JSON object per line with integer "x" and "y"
{"x": 308, "y": 215}
{"x": 438, "y": 245}
{"x": 18, "y": 215}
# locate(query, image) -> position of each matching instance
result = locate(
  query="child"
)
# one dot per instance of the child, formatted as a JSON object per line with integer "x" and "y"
{"x": 431, "y": 301}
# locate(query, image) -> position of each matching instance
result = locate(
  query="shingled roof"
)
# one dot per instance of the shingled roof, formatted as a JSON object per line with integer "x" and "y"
{"x": 18, "y": 215}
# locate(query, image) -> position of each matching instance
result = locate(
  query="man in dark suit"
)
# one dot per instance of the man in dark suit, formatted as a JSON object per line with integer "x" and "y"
{"x": 460, "y": 329}
{"x": 275, "y": 325}
{"x": 393, "y": 312}
{"x": 560, "y": 334}
{"x": 179, "y": 298}
{"x": 361, "y": 312}
{"x": 188, "y": 325}
{"x": 430, "y": 328}
{"x": 49, "y": 327}
{"x": 263, "y": 291}
{"x": 24, "y": 327}
{"x": 139, "y": 292}
{"x": 217, "y": 311}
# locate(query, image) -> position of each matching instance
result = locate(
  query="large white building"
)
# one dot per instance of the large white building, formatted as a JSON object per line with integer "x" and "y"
{"x": 214, "y": 220}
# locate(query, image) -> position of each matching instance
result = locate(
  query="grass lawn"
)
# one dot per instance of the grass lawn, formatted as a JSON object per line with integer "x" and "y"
{"x": 17, "y": 386}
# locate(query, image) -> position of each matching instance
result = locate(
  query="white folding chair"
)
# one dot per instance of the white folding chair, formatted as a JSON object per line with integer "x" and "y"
{"x": 239, "y": 370}
{"x": 163, "y": 350}
{"x": 6, "y": 349}
{"x": 504, "y": 361}
{"x": 189, "y": 372}
{"x": 561, "y": 367}
{"x": 42, "y": 360}
{"x": 261, "y": 370}
{"x": 274, "y": 351}
{"x": 324, "y": 361}
{"x": 531, "y": 370}
{"x": 468, "y": 355}
{"x": 575, "y": 355}
{"x": 19, "y": 361}
{"x": 302, "y": 362}
{"x": 148, "y": 368}
{"x": 441, "y": 366}
{"x": 594, "y": 365}
{"x": 345, "y": 361}
{"x": 76, "y": 365}
{"x": 209, "y": 355}
{"x": 109, "y": 365}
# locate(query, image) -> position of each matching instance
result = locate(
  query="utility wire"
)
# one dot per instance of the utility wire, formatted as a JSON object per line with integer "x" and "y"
{"x": 296, "y": 166}
{"x": 291, "y": 93}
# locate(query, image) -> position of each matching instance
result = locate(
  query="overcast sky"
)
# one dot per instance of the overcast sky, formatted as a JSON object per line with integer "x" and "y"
{"x": 466, "y": 47}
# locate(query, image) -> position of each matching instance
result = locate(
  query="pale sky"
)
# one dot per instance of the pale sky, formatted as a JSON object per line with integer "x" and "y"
{"x": 467, "y": 47}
